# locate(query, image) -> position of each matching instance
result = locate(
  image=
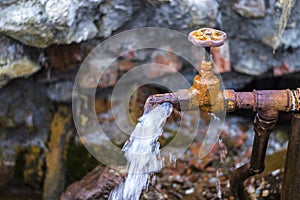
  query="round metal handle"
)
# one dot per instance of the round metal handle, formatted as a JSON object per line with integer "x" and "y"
{"x": 207, "y": 37}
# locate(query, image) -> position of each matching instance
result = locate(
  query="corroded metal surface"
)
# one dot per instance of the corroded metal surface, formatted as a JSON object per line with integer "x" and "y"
{"x": 207, "y": 87}
{"x": 264, "y": 122}
{"x": 156, "y": 99}
{"x": 291, "y": 180}
{"x": 207, "y": 37}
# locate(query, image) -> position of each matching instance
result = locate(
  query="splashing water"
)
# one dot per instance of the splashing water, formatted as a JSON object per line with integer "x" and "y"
{"x": 222, "y": 150}
{"x": 218, "y": 185}
{"x": 142, "y": 153}
{"x": 223, "y": 153}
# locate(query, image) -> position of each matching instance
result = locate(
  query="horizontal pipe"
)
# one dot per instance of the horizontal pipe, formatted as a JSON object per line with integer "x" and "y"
{"x": 229, "y": 100}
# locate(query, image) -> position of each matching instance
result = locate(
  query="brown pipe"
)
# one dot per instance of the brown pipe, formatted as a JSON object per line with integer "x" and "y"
{"x": 237, "y": 179}
{"x": 229, "y": 100}
{"x": 263, "y": 123}
{"x": 291, "y": 179}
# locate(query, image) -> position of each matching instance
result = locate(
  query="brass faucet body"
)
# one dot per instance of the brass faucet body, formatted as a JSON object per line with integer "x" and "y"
{"x": 206, "y": 89}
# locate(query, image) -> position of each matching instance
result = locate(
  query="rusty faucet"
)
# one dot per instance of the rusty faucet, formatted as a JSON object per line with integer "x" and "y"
{"x": 206, "y": 95}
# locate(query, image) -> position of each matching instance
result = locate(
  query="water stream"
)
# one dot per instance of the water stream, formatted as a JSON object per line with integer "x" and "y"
{"x": 142, "y": 152}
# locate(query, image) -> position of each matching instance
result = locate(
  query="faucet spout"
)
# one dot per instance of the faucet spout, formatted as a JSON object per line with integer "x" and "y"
{"x": 157, "y": 99}
{"x": 182, "y": 100}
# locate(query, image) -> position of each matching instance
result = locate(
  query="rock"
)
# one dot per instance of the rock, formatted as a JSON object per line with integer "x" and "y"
{"x": 5, "y": 174}
{"x": 95, "y": 185}
{"x": 290, "y": 37}
{"x": 14, "y": 62}
{"x": 181, "y": 15}
{"x": 250, "y": 9}
{"x": 42, "y": 23}
{"x": 60, "y": 91}
{"x": 251, "y": 65}
{"x": 221, "y": 57}
{"x": 236, "y": 81}
{"x": 115, "y": 14}
{"x": 54, "y": 182}
{"x": 168, "y": 61}
{"x": 152, "y": 194}
{"x": 19, "y": 68}
{"x": 63, "y": 57}
{"x": 29, "y": 166}
{"x": 282, "y": 69}
{"x": 61, "y": 13}
{"x": 77, "y": 155}
{"x": 253, "y": 37}
{"x": 21, "y": 106}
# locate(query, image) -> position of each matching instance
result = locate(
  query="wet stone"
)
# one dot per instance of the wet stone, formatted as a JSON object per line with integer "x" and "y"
{"x": 60, "y": 91}
{"x": 14, "y": 62}
{"x": 169, "y": 62}
{"x": 5, "y": 174}
{"x": 63, "y": 57}
{"x": 251, "y": 65}
{"x": 221, "y": 57}
{"x": 95, "y": 185}
{"x": 250, "y": 9}
{"x": 282, "y": 69}
{"x": 29, "y": 166}
{"x": 186, "y": 14}
{"x": 42, "y": 23}
{"x": 115, "y": 14}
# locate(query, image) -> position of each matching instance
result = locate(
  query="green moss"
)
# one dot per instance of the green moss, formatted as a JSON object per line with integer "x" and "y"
{"x": 78, "y": 161}
{"x": 29, "y": 165}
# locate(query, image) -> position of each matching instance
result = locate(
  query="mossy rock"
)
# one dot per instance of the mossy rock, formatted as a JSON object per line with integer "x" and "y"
{"x": 29, "y": 167}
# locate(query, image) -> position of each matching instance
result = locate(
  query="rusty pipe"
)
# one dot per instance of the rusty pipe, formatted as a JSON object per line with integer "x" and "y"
{"x": 291, "y": 178}
{"x": 159, "y": 99}
{"x": 264, "y": 122}
{"x": 229, "y": 100}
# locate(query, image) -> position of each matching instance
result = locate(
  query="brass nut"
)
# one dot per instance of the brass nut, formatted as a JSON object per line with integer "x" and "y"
{"x": 229, "y": 100}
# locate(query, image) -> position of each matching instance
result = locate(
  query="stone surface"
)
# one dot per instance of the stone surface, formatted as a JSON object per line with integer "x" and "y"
{"x": 250, "y": 9}
{"x": 282, "y": 69}
{"x": 63, "y": 57}
{"x": 60, "y": 91}
{"x": 115, "y": 14}
{"x": 253, "y": 40}
{"x": 181, "y": 15}
{"x": 30, "y": 166}
{"x": 54, "y": 181}
{"x": 14, "y": 62}
{"x": 5, "y": 174}
{"x": 251, "y": 65}
{"x": 221, "y": 57}
{"x": 167, "y": 62}
{"x": 15, "y": 69}
{"x": 42, "y": 23}
{"x": 95, "y": 185}
{"x": 24, "y": 103}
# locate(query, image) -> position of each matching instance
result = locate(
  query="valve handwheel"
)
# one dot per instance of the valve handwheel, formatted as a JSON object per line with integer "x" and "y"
{"x": 207, "y": 37}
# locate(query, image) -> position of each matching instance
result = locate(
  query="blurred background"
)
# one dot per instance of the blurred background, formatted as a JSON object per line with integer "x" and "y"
{"x": 43, "y": 43}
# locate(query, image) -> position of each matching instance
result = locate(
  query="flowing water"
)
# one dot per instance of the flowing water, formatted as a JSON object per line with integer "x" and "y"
{"x": 142, "y": 152}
